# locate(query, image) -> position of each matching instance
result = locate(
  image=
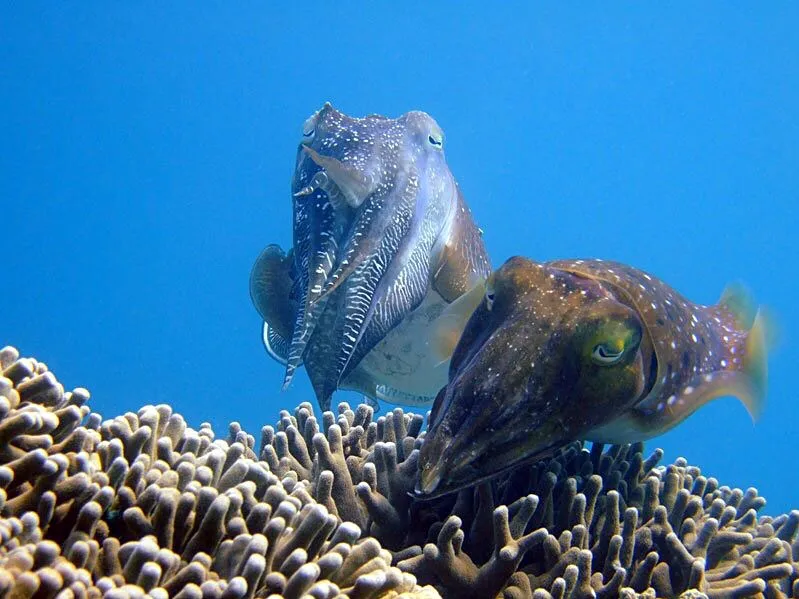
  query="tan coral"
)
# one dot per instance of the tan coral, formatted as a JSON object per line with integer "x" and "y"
{"x": 142, "y": 504}
{"x": 614, "y": 520}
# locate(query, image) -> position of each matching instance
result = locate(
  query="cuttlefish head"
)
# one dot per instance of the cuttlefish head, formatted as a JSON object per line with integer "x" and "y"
{"x": 352, "y": 158}
{"x": 363, "y": 190}
{"x": 338, "y": 155}
{"x": 543, "y": 359}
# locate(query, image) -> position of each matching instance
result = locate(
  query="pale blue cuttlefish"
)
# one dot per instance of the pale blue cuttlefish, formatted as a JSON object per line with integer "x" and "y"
{"x": 374, "y": 293}
{"x": 583, "y": 350}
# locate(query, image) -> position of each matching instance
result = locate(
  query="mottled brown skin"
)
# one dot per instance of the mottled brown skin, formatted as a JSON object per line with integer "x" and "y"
{"x": 572, "y": 350}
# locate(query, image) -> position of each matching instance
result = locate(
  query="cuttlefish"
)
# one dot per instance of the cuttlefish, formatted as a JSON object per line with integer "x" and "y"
{"x": 373, "y": 295}
{"x": 583, "y": 350}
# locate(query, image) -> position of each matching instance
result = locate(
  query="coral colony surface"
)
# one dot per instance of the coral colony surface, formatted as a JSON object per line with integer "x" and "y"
{"x": 143, "y": 505}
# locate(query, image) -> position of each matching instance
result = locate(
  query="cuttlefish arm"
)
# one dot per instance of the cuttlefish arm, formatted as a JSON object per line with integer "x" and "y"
{"x": 383, "y": 225}
{"x": 322, "y": 223}
{"x": 319, "y": 224}
{"x": 354, "y": 185}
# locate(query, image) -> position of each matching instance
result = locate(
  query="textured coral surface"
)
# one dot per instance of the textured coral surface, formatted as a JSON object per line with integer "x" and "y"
{"x": 143, "y": 505}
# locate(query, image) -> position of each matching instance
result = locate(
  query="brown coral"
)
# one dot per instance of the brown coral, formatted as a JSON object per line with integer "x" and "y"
{"x": 143, "y": 504}
{"x": 586, "y": 523}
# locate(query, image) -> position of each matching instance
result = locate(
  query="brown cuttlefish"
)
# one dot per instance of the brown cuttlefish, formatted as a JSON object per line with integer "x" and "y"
{"x": 582, "y": 350}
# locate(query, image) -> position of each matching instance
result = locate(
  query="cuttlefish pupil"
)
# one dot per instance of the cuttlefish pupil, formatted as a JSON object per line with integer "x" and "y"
{"x": 604, "y": 354}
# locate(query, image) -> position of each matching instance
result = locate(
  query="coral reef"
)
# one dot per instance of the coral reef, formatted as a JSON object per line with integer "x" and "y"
{"x": 143, "y": 505}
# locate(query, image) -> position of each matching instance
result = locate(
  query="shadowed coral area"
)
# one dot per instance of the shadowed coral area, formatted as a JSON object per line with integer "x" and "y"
{"x": 143, "y": 505}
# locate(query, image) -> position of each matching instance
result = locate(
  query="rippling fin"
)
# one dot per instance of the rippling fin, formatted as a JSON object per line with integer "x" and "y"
{"x": 372, "y": 403}
{"x": 447, "y": 328}
{"x": 276, "y": 346}
{"x": 740, "y": 303}
{"x": 270, "y": 291}
{"x": 756, "y": 365}
{"x": 741, "y": 306}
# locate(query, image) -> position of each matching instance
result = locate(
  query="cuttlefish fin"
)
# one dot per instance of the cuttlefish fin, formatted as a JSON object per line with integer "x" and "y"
{"x": 760, "y": 338}
{"x": 353, "y": 184}
{"x": 446, "y": 330}
{"x": 276, "y": 346}
{"x": 658, "y": 415}
{"x": 371, "y": 402}
{"x": 372, "y": 391}
{"x": 270, "y": 291}
{"x": 362, "y": 383}
{"x": 739, "y": 303}
{"x": 461, "y": 258}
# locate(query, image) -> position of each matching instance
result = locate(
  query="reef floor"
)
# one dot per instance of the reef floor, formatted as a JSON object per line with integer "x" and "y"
{"x": 143, "y": 505}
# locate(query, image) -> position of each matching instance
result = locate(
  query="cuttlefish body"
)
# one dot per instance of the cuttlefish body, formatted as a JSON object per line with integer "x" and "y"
{"x": 373, "y": 295}
{"x": 582, "y": 350}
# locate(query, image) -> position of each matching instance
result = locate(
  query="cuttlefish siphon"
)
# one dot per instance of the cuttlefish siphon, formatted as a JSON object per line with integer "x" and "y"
{"x": 583, "y": 350}
{"x": 373, "y": 294}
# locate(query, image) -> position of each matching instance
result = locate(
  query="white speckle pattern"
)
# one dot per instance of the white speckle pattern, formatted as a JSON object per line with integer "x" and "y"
{"x": 693, "y": 343}
{"x": 372, "y": 197}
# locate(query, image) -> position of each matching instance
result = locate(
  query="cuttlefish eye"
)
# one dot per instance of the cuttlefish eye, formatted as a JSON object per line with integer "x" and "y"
{"x": 436, "y": 139}
{"x": 611, "y": 341}
{"x": 490, "y": 296}
{"x": 607, "y": 353}
{"x": 309, "y": 129}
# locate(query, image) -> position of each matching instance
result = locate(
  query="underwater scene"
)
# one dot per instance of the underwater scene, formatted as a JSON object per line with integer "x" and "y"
{"x": 399, "y": 301}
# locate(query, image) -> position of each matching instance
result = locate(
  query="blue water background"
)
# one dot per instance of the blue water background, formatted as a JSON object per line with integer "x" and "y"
{"x": 146, "y": 153}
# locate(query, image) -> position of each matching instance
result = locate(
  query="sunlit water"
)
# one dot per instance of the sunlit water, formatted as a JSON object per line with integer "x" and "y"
{"x": 146, "y": 156}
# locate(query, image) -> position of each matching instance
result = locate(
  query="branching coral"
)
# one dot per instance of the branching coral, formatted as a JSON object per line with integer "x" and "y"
{"x": 145, "y": 505}
{"x": 599, "y": 522}
{"x": 142, "y": 504}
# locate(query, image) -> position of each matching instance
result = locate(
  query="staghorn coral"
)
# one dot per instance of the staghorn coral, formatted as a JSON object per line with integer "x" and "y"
{"x": 144, "y": 505}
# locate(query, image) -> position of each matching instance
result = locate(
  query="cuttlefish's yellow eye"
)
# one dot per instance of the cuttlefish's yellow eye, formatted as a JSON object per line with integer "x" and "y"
{"x": 608, "y": 353}
{"x": 612, "y": 341}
